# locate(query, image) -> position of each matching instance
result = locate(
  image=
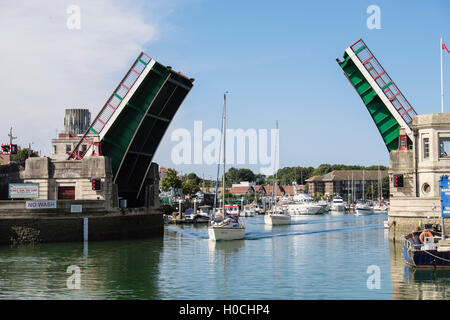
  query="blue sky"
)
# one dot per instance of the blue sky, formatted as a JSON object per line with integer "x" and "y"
{"x": 277, "y": 59}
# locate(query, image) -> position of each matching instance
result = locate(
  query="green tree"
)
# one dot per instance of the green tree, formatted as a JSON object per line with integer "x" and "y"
{"x": 171, "y": 181}
{"x": 190, "y": 186}
{"x": 374, "y": 189}
{"x": 234, "y": 175}
{"x": 21, "y": 155}
{"x": 192, "y": 176}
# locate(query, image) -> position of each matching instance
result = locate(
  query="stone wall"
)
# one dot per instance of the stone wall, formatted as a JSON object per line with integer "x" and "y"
{"x": 68, "y": 229}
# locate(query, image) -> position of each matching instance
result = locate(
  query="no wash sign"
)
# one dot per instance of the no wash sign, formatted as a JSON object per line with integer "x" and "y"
{"x": 40, "y": 204}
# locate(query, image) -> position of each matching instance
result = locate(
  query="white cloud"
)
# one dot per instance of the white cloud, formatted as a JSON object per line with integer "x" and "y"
{"x": 46, "y": 67}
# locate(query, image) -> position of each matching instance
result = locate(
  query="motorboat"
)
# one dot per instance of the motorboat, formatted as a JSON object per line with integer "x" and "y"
{"x": 337, "y": 204}
{"x": 425, "y": 248}
{"x": 380, "y": 207}
{"x": 428, "y": 247}
{"x": 325, "y": 206}
{"x": 248, "y": 211}
{"x": 203, "y": 215}
{"x": 303, "y": 204}
{"x": 363, "y": 207}
{"x": 304, "y": 208}
{"x": 232, "y": 209}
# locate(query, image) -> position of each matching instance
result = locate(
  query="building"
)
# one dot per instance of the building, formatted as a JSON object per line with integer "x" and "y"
{"x": 246, "y": 188}
{"x": 242, "y": 188}
{"x": 76, "y": 123}
{"x": 417, "y": 200}
{"x": 66, "y": 143}
{"x": 77, "y": 120}
{"x": 162, "y": 173}
{"x": 291, "y": 190}
{"x": 345, "y": 182}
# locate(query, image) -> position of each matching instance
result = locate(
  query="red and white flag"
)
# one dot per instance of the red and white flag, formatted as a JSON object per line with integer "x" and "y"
{"x": 444, "y": 47}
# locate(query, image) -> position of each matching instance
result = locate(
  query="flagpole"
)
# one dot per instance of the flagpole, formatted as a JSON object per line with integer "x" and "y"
{"x": 442, "y": 82}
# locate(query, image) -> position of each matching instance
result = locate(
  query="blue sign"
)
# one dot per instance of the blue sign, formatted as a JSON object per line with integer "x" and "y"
{"x": 444, "y": 186}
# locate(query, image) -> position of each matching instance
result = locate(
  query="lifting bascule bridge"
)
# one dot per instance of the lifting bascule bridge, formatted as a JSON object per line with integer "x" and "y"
{"x": 132, "y": 122}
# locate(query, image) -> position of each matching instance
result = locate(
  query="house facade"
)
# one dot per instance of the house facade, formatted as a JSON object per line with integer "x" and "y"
{"x": 349, "y": 184}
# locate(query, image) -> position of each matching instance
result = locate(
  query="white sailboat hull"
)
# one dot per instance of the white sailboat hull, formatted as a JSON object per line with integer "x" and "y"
{"x": 363, "y": 210}
{"x": 226, "y": 233}
{"x": 277, "y": 219}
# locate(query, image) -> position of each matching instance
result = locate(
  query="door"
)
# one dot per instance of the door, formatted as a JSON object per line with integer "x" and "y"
{"x": 66, "y": 193}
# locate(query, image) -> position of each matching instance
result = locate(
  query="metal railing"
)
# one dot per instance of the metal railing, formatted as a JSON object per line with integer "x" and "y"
{"x": 111, "y": 105}
{"x": 377, "y": 72}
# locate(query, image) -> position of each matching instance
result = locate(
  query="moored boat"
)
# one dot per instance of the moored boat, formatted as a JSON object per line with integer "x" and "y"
{"x": 337, "y": 204}
{"x": 429, "y": 247}
{"x": 363, "y": 207}
{"x": 248, "y": 211}
{"x": 426, "y": 249}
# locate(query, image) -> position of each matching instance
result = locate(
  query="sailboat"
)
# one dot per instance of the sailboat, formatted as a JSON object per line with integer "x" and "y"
{"x": 276, "y": 216}
{"x": 380, "y": 207}
{"x": 223, "y": 227}
{"x": 363, "y": 207}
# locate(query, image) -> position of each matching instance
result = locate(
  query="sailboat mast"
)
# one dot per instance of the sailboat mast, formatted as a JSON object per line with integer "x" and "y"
{"x": 364, "y": 182}
{"x": 379, "y": 186}
{"x": 274, "y": 165}
{"x": 224, "y": 151}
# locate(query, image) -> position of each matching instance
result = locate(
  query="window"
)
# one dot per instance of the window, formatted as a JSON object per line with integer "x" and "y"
{"x": 54, "y": 149}
{"x": 68, "y": 147}
{"x": 444, "y": 147}
{"x": 402, "y": 143}
{"x": 426, "y": 147}
{"x": 426, "y": 188}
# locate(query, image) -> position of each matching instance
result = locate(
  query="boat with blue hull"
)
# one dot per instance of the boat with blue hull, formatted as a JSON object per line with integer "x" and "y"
{"x": 429, "y": 247}
{"x": 424, "y": 249}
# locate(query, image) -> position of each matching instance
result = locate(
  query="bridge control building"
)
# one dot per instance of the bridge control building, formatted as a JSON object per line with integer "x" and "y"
{"x": 418, "y": 145}
{"x": 101, "y": 174}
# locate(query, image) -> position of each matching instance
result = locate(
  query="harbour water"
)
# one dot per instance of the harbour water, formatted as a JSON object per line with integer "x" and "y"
{"x": 332, "y": 256}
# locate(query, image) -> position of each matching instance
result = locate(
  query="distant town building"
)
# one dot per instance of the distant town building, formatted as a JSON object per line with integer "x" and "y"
{"x": 249, "y": 188}
{"x": 345, "y": 182}
{"x": 77, "y": 120}
{"x": 162, "y": 173}
{"x": 76, "y": 123}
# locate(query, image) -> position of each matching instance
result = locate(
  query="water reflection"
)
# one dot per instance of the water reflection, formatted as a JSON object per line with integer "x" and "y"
{"x": 109, "y": 270}
{"x": 412, "y": 283}
{"x": 316, "y": 257}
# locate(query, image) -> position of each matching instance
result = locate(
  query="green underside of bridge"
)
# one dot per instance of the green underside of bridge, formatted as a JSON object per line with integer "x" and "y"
{"x": 385, "y": 122}
{"x": 118, "y": 138}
